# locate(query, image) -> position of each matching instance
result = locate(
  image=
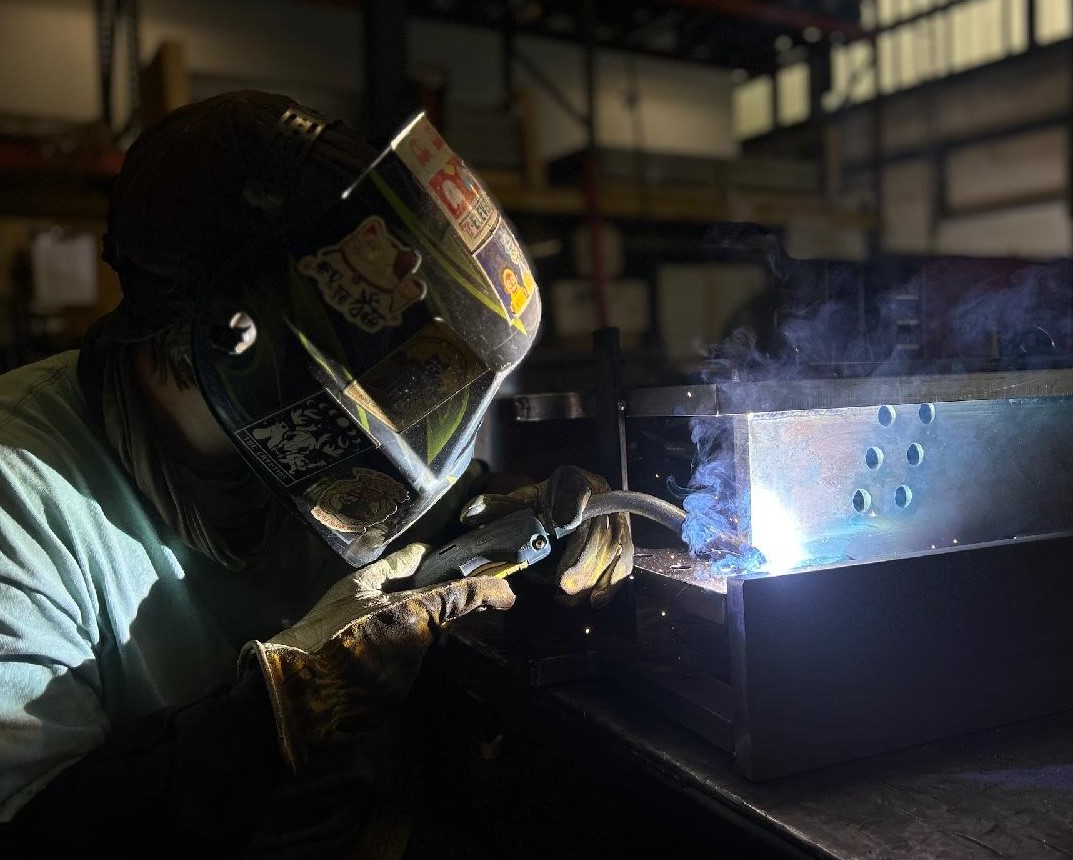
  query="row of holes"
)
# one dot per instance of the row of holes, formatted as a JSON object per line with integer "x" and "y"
{"x": 862, "y": 499}
{"x": 873, "y": 457}
{"x": 887, "y": 414}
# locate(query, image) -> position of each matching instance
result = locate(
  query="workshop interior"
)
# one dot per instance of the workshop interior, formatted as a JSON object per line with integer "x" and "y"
{"x": 806, "y": 275}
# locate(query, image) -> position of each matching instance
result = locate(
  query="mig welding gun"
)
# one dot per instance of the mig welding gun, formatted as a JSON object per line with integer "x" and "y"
{"x": 520, "y": 539}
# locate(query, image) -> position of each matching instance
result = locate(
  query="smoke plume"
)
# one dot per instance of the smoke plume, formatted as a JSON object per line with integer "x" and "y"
{"x": 894, "y": 315}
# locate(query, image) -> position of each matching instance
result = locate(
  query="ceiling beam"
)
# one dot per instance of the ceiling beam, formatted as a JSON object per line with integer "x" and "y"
{"x": 776, "y": 14}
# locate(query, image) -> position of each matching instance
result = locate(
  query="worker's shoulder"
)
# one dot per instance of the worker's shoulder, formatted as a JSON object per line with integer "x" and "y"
{"x": 44, "y": 388}
{"x": 42, "y": 408}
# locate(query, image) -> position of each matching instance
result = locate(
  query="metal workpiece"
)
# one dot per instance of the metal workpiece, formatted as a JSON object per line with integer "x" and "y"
{"x": 797, "y": 395}
{"x": 740, "y": 397}
{"x": 683, "y": 581}
{"x": 865, "y": 483}
{"x": 680, "y": 566}
{"x": 821, "y": 472}
{"x": 553, "y": 405}
{"x": 912, "y": 536}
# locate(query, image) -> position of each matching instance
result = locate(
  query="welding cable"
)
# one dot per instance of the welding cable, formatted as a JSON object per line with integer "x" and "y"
{"x": 642, "y": 504}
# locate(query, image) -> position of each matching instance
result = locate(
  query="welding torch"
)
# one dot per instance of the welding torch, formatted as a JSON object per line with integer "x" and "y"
{"x": 520, "y": 539}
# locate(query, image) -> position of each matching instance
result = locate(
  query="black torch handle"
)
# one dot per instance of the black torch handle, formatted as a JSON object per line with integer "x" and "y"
{"x": 520, "y": 539}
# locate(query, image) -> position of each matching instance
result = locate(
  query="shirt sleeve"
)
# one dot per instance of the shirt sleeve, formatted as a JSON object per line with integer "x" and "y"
{"x": 201, "y": 775}
{"x": 51, "y": 710}
{"x": 139, "y": 738}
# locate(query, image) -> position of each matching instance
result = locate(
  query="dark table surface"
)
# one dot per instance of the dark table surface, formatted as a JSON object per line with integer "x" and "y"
{"x": 1001, "y": 793}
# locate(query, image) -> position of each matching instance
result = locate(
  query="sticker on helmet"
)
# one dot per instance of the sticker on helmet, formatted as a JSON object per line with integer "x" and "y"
{"x": 369, "y": 277}
{"x": 506, "y": 267}
{"x": 302, "y": 439}
{"x": 354, "y": 504}
{"x": 517, "y": 291}
{"x": 421, "y": 374}
{"x": 458, "y": 194}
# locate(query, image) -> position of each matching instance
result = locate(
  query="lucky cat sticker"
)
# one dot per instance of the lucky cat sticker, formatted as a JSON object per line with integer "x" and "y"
{"x": 369, "y": 277}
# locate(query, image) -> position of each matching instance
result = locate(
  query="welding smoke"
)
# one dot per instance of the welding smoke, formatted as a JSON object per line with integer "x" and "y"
{"x": 715, "y": 510}
{"x": 834, "y": 318}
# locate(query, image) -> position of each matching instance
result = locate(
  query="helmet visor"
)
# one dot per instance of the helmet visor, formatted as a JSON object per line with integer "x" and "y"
{"x": 352, "y": 365}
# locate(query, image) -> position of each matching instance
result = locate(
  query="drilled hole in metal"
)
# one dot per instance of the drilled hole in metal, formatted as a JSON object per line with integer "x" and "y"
{"x": 862, "y": 501}
{"x": 915, "y": 454}
{"x": 886, "y": 415}
{"x": 873, "y": 458}
{"x": 903, "y": 496}
{"x": 926, "y": 413}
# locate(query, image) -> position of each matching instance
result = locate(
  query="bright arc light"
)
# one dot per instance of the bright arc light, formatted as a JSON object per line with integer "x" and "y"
{"x": 775, "y": 532}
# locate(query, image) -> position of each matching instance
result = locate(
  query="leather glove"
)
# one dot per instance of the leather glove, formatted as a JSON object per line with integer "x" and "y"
{"x": 597, "y": 557}
{"x": 358, "y": 650}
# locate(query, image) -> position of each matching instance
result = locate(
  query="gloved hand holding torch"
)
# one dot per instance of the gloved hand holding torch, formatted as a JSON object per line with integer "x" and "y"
{"x": 358, "y": 650}
{"x": 598, "y": 555}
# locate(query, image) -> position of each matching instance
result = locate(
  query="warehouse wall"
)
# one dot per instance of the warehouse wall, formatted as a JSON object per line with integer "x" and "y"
{"x": 976, "y": 164}
{"x": 49, "y": 68}
{"x": 1001, "y": 196}
{"x": 313, "y": 51}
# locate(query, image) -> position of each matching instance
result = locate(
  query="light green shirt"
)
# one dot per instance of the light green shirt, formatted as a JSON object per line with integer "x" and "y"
{"x": 105, "y": 615}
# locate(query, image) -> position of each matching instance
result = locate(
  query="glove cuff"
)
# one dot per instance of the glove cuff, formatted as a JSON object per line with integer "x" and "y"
{"x": 291, "y": 678}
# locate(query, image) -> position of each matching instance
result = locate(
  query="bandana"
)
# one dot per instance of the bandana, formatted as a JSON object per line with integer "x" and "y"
{"x": 218, "y": 507}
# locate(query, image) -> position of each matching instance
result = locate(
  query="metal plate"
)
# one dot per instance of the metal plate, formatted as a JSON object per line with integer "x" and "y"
{"x": 780, "y": 395}
{"x": 859, "y": 484}
{"x": 678, "y": 579}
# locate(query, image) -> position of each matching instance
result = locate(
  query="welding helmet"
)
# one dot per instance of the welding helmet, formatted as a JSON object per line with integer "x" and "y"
{"x": 352, "y": 365}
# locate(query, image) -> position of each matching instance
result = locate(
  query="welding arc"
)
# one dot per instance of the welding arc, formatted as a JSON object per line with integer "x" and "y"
{"x": 630, "y": 502}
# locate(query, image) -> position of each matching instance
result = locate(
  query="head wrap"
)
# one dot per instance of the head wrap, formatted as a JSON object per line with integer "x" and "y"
{"x": 207, "y": 182}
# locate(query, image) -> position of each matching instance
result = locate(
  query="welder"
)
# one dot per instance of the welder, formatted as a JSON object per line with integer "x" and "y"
{"x": 209, "y": 512}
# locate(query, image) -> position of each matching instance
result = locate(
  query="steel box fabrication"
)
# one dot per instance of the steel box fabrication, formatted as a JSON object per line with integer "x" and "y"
{"x": 917, "y": 532}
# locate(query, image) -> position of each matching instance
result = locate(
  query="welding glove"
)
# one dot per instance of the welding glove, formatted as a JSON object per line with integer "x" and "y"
{"x": 358, "y": 650}
{"x": 598, "y": 555}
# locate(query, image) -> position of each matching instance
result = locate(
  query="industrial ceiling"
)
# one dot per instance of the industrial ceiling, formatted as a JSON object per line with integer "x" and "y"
{"x": 752, "y": 35}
